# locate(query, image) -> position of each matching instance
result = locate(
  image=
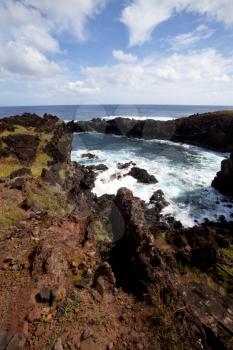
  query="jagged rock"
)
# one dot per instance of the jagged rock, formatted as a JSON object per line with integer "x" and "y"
{"x": 122, "y": 166}
{"x": 59, "y": 148}
{"x": 158, "y": 200}
{"x": 211, "y": 130}
{"x": 104, "y": 280}
{"x": 223, "y": 181}
{"x": 142, "y": 176}
{"x": 131, "y": 254}
{"x": 99, "y": 167}
{"x": 89, "y": 156}
{"x": 18, "y": 184}
{"x": 24, "y": 147}
{"x": 196, "y": 246}
{"x": 21, "y": 172}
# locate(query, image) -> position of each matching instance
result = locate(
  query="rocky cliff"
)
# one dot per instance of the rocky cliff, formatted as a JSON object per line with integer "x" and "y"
{"x": 223, "y": 181}
{"x": 210, "y": 130}
{"x": 81, "y": 272}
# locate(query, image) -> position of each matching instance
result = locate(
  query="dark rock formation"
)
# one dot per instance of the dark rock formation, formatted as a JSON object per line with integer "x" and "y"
{"x": 158, "y": 200}
{"x": 122, "y": 166}
{"x": 24, "y": 147}
{"x": 98, "y": 167}
{"x": 210, "y": 130}
{"x": 142, "y": 176}
{"x": 21, "y": 172}
{"x": 223, "y": 181}
{"x": 89, "y": 156}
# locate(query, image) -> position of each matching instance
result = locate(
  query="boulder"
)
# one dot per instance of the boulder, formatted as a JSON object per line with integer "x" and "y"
{"x": 24, "y": 147}
{"x": 142, "y": 176}
{"x": 223, "y": 181}
{"x": 158, "y": 200}
{"x": 21, "y": 172}
{"x": 99, "y": 167}
{"x": 89, "y": 156}
{"x": 122, "y": 166}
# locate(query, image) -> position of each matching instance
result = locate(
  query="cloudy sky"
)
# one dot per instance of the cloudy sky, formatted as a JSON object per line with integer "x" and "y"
{"x": 116, "y": 51}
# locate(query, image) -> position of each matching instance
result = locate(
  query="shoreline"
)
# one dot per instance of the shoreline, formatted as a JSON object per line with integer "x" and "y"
{"x": 74, "y": 266}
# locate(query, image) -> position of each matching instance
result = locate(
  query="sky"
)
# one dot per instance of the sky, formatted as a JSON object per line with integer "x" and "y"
{"x": 116, "y": 51}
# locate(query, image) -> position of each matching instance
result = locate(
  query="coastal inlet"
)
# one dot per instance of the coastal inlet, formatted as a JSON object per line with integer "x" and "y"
{"x": 184, "y": 173}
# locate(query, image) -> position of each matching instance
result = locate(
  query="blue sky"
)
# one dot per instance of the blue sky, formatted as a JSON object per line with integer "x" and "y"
{"x": 116, "y": 51}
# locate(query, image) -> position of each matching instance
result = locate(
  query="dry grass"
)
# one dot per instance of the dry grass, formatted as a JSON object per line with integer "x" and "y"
{"x": 9, "y": 208}
{"x": 18, "y": 130}
{"x": 8, "y": 165}
{"x": 50, "y": 199}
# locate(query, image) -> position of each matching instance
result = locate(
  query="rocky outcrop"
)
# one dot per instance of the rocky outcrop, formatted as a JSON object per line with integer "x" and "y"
{"x": 122, "y": 166}
{"x": 141, "y": 175}
{"x": 79, "y": 271}
{"x": 90, "y": 156}
{"x": 223, "y": 181}
{"x": 24, "y": 147}
{"x": 210, "y": 130}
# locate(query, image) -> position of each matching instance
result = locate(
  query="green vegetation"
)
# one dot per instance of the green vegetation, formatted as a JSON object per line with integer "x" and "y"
{"x": 8, "y": 165}
{"x": 62, "y": 173}
{"x": 183, "y": 269}
{"x": 50, "y": 199}
{"x": 42, "y": 158}
{"x": 18, "y": 129}
{"x": 221, "y": 276}
{"x": 227, "y": 251}
{"x": 41, "y": 162}
{"x": 100, "y": 233}
{"x": 9, "y": 210}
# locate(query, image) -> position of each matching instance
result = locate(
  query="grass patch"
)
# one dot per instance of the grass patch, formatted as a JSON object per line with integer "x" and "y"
{"x": 222, "y": 277}
{"x": 42, "y": 158}
{"x": 227, "y": 251}
{"x": 62, "y": 174}
{"x": 8, "y": 165}
{"x": 9, "y": 210}
{"x": 41, "y": 162}
{"x": 50, "y": 199}
{"x": 18, "y": 130}
{"x": 100, "y": 233}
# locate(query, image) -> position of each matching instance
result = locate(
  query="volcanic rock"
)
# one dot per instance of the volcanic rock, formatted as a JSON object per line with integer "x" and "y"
{"x": 142, "y": 176}
{"x": 24, "y": 147}
{"x": 89, "y": 156}
{"x": 223, "y": 181}
{"x": 122, "y": 166}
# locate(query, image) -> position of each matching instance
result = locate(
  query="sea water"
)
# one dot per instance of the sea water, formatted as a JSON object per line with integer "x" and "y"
{"x": 184, "y": 173}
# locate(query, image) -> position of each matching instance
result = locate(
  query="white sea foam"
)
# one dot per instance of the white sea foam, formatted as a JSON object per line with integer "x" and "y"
{"x": 159, "y": 117}
{"x": 184, "y": 173}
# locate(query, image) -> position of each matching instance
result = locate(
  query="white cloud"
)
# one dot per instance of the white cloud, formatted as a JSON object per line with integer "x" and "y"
{"x": 24, "y": 60}
{"x": 30, "y": 29}
{"x": 80, "y": 86}
{"x": 68, "y": 16}
{"x": 206, "y": 65}
{"x": 142, "y": 16}
{"x": 200, "y": 77}
{"x": 186, "y": 40}
{"x": 123, "y": 56}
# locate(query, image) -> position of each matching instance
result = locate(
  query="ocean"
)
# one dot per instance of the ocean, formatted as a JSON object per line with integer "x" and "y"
{"x": 184, "y": 172}
{"x": 86, "y": 112}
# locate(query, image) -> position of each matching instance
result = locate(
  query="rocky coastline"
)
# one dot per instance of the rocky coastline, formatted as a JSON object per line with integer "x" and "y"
{"x": 210, "y": 130}
{"x": 81, "y": 272}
